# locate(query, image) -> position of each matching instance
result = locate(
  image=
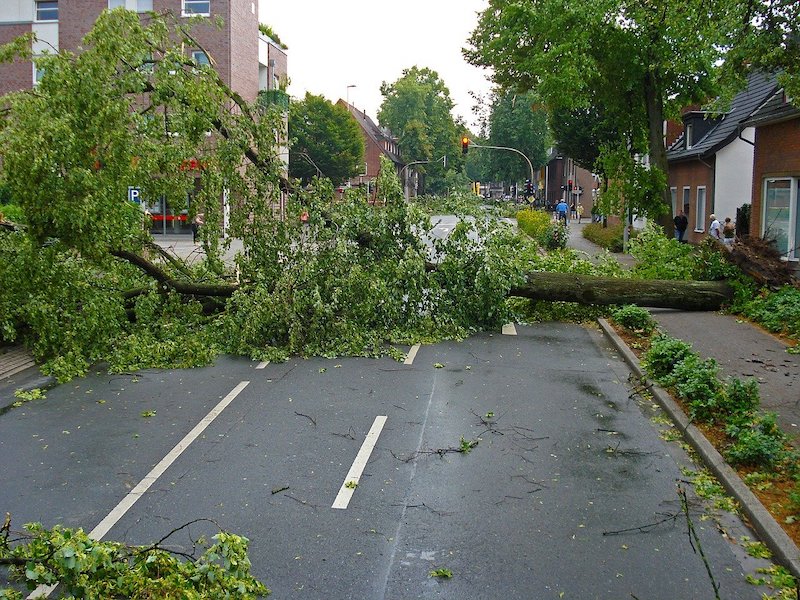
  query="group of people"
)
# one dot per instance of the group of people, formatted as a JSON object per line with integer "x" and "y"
{"x": 722, "y": 232}
{"x": 562, "y": 208}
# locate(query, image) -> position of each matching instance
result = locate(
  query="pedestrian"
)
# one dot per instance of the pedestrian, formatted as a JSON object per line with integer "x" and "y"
{"x": 580, "y": 213}
{"x": 728, "y": 232}
{"x": 681, "y": 223}
{"x": 197, "y": 223}
{"x": 561, "y": 210}
{"x": 713, "y": 230}
{"x": 573, "y": 211}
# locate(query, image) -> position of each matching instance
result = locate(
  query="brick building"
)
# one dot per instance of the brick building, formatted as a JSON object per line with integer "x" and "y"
{"x": 710, "y": 162}
{"x": 246, "y": 60}
{"x": 775, "y": 212}
{"x": 249, "y": 62}
{"x": 377, "y": 141}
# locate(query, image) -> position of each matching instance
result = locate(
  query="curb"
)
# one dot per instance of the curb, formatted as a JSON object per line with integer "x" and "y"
{"x": 784, "y": 550}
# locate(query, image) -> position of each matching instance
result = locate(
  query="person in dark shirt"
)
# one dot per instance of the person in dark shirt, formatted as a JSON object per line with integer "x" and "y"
{"x": 681, "y": 223}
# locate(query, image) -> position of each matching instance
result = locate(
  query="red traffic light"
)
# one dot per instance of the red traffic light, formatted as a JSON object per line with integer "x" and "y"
{"x": 464, "y": 145}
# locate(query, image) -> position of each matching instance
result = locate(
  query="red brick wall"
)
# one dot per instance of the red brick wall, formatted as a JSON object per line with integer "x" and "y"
{"x": 19, "y": 74}
{"x": 694, "y": 174}
{"x": 75, "y": 19}
{"x": 777, "y": 154}
{"x": 243, "y": 47}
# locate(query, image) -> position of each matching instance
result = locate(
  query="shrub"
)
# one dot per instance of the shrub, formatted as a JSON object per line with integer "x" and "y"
{"x": 740, "y": 399}
{"x": 664, "y": 353}
{"x": 555, "y": 236}
{"x": 533, "y": 222}
{"x": 758, "y": 443}
{"x": 12, "y": 212}
{"x": 660, "y": 257}
{"x": 634, "y": 318}
{"x": 609, "y": 238}
{"x": 696, "y": 381}
{"x": 777, "y": 311}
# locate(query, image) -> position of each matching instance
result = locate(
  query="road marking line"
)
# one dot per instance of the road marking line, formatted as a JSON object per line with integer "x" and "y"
{"x": 128, "y": 501}
{"x": 262, "y": 365}
{"x": 354, "y": 474}
{"x": 509, "y": 329}
{"x": 412, "y": 354}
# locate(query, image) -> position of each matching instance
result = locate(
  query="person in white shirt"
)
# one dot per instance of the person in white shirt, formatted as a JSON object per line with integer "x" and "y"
{"x": 714, "y": 231}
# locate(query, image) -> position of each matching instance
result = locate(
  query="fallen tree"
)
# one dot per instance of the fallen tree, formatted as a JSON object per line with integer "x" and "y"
{"x": 585, "y": 289}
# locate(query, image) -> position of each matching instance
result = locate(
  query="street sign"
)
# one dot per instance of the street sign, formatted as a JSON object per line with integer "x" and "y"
{"x": 134, "y": 195}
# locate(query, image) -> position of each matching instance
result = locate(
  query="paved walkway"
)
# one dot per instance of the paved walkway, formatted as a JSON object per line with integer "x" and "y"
{"x": 742, "y": 350}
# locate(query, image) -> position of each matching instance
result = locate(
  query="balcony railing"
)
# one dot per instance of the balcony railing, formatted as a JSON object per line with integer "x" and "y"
{"x": 268, "y": 98}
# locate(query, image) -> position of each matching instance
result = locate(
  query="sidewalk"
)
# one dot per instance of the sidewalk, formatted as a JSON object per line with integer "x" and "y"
{"x": 742, "y": 350}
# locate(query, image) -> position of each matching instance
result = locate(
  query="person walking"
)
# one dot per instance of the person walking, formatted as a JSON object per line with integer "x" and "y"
{"x": 561, "y": 210}
{"x": 580, "y": 212}
{"x": 681, "y": 222}
{"x": 197, "y": 223}
{"x": 728, "y": 232}
{"x": 714, "y": 229}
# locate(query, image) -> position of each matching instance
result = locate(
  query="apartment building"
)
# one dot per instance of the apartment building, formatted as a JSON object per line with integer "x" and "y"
{"x": 246, "y": 60}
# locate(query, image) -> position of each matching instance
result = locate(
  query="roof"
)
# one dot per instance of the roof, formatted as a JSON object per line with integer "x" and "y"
{"x": 775, "y": 110}
{"x": 760, "y": 87}
{"x": 373, "y": 131}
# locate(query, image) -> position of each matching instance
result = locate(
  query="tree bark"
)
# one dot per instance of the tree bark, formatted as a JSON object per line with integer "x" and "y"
{"x": 585, "y": 289}
{"x": 654, "y": 104}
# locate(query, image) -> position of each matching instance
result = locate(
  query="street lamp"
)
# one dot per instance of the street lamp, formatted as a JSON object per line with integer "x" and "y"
{"x": 348, "y": 93}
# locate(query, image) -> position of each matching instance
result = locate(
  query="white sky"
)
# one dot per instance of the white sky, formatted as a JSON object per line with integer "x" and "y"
{"x": 365, "y": 42}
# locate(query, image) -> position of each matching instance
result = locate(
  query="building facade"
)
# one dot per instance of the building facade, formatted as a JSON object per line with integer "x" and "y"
{"x": 775, "y": 213}
{"x": 711, "y": 161}
{"x": 246, "y": 60}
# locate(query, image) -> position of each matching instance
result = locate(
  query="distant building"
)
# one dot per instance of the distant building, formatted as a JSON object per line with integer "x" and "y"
{"x": 377, "y": 141}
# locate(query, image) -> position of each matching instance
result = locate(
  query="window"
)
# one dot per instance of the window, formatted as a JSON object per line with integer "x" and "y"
{"x": 673, "y": 193}
{"x": 38, "y": 73}
{"x": 144, "y": 5}
{"x": 689, "y": 135}
{"x": 196, "y": 7}
{"x": 46, "y": 10}
{"x": 781, "y": 217}
{"x": 112, "y": 4}
{"x": 686, "y": 193}
{"x": 200, "y": 57}
{"x": 700, "y": 215}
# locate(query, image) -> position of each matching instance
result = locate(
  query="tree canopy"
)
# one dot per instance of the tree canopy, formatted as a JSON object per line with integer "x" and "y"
{"x": 324, "y": 136}
{"x": 417, "y": 108}
{"x": 639, "y": 61}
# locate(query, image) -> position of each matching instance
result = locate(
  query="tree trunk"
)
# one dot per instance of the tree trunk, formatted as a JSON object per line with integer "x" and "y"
{"x": 655, "y": 136}
{"x": 585, "y": 289}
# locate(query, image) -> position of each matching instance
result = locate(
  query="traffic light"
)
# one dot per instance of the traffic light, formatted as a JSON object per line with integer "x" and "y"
{"x": 464, "y": 145}
{"x": 569, "y": 185}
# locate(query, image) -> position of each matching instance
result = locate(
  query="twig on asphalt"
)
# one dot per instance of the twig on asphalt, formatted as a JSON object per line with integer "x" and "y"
{"x": 350, "y": 435}
{"x": 312, "y": 419}
{"x": 695, "y": 539}
{"x": 644, "y": 528}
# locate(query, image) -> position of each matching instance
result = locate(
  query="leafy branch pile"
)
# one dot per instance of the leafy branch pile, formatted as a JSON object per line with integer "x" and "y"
{"x": 88, "y": 568}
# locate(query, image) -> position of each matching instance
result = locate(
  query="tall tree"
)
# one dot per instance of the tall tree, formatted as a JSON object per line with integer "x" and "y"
{"x": 639, "y": 60}
{"x": 417, "y": 108}
{"x": 516, "y": 121}
{"x": 326, "y": 135}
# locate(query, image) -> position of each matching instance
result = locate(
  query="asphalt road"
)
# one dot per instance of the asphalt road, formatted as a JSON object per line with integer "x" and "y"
{"x": 549, "y": 503}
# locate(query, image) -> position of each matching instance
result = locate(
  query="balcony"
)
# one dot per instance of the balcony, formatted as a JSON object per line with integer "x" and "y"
{"x": 269, "y": 98}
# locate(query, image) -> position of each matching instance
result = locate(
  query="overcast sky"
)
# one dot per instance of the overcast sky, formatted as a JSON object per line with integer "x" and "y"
{"x": 365, "y": 42}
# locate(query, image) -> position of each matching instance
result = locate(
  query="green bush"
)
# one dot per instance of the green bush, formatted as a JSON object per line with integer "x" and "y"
{"x": 609, "y": 238}
{"x": 777, "y": 311}
{"x": 740, "y": 400}
{"x": 12, "y": 212}
{"x": 662, "y": 356}
{"x": 534, "y": 222}
{"x": 634, "y": 318}
{"x": 660, "y": 257}
{"x": 697, "y": 382}
{"x": 555, "y": 236}
{"x": 759, "y": 443}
